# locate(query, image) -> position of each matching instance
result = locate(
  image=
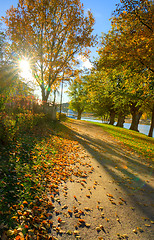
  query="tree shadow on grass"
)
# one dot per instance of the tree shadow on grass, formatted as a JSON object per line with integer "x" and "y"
{"x": 125, "y": 169}
{"x": 130, "y": 134}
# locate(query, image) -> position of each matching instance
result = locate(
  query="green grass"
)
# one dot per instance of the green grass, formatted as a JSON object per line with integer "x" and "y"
{"x": 140, "y": 143}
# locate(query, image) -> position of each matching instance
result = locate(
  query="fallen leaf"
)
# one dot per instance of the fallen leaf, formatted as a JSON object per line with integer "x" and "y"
{"x": 87, "y": 225}
{"x": 109, "y": 195}
{"x": 76, "y": 232}
{"x": 147, "y": 225}
{"x": 69, "y": 232}
{"x": 65, "y": 207}
{"x": 98, "y": 229}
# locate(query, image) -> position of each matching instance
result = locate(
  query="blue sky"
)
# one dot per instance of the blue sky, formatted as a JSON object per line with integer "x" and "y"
{"x": 101, "y": 9}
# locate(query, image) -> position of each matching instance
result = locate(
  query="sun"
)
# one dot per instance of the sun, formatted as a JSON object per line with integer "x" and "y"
{"x": 25, "y": 70}
{"x": 24, "y": 66}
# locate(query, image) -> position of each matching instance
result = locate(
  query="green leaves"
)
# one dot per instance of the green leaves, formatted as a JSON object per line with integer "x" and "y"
{"x": 78, "y": 93}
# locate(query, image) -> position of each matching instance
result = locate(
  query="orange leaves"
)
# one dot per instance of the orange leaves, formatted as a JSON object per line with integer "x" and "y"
{"x": 81, "y": 222}
{"x": 70, "y": 212}
{"x": 19, "y": 212}
{"x": 99, "y": 207}
{"x": 75, "y": 197}
{"x": 19, "y": 238}
{"x": 110, "y": 195}
{"x": 87, "y": 209}
{"x": 123, "y": 43}
{"x": 59, "y": 220}
{"x": 50, "y": 205}
{"x": 81, "y": 212}
{"x": 111, "y": 198}
{"x": 15, "y": 217}
{"x": 46, "y": 176}
{"x": 25, "y": 203}
{"x": 122, "y": 199}
{"x": 34, "y": 214}
{"x": 76, "y": 35}
{"x": 64, "y": 207}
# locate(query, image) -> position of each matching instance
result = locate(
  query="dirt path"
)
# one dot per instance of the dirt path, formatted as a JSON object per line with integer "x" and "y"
{"x": 111, "y": 196}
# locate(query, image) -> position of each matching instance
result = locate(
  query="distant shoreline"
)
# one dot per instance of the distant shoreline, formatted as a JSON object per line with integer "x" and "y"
{"x": 142, "y": 121}
{"x": 92, "y": 117}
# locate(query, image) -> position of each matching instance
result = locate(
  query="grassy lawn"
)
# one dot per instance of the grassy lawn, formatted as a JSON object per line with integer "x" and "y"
{"x": 140, "y": 143}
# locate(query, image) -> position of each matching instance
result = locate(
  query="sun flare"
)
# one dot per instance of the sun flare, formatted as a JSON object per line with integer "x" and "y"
{"x": 25, "y": 70}
{"x": 24, "y": 66}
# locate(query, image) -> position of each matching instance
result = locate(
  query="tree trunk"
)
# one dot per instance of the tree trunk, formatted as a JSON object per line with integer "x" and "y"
{"x": 44, "y": 100}
{"x": 121, "y": 120}
{"x": 136, "y": 115}
{"x": 45, "y": 95}
{"x": 79, "y": 115}
{"x": 152, "y": 124}
{"x": 61, "y": 99}
{"x": 135, "y": 120}
{"x": 54, "y": 100}
{"x": 112, "y": 117}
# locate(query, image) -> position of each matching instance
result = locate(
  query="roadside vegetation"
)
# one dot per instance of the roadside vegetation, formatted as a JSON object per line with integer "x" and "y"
{"x": 32, "y": 166}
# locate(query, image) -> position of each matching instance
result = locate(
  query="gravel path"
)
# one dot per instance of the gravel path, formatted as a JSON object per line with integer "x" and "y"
{"x": 111, "y": 196}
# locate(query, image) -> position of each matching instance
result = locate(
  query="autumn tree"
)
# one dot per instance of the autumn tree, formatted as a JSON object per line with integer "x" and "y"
{"x": 127, "y": 48}
{"x": 78, "y": 95}
{"x": 100, "y": 95}
{"x": 131, "y": 37}
{"x": 49, "y": 33}
{"x": 119, "y": 92}
{"x": 137, "y": 93}
{"x": 120, "y": 97}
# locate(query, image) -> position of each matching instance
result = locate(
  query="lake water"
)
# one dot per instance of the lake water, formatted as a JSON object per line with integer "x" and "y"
{"x": 141, "y": 127}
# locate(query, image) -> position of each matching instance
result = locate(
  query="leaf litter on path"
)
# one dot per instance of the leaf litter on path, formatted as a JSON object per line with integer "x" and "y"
{"x": 67, "y": 211}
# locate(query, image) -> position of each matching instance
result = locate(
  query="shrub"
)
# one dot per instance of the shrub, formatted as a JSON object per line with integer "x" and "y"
{"x": 27, "y": 121}
{"x": 61, "y": 116}
{"x": 12, "y": 125}
{"x": 7, "y": 131}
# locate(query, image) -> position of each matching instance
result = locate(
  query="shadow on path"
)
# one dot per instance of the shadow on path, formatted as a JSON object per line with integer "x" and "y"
{"x": 130, "y": 172}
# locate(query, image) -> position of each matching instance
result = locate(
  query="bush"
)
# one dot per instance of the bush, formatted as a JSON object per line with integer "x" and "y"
{"x": 12, "y": 125}
{"x": 61, "y": 116}
{"x": 27, "y": 121}
{"x": 7, "y": 131}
